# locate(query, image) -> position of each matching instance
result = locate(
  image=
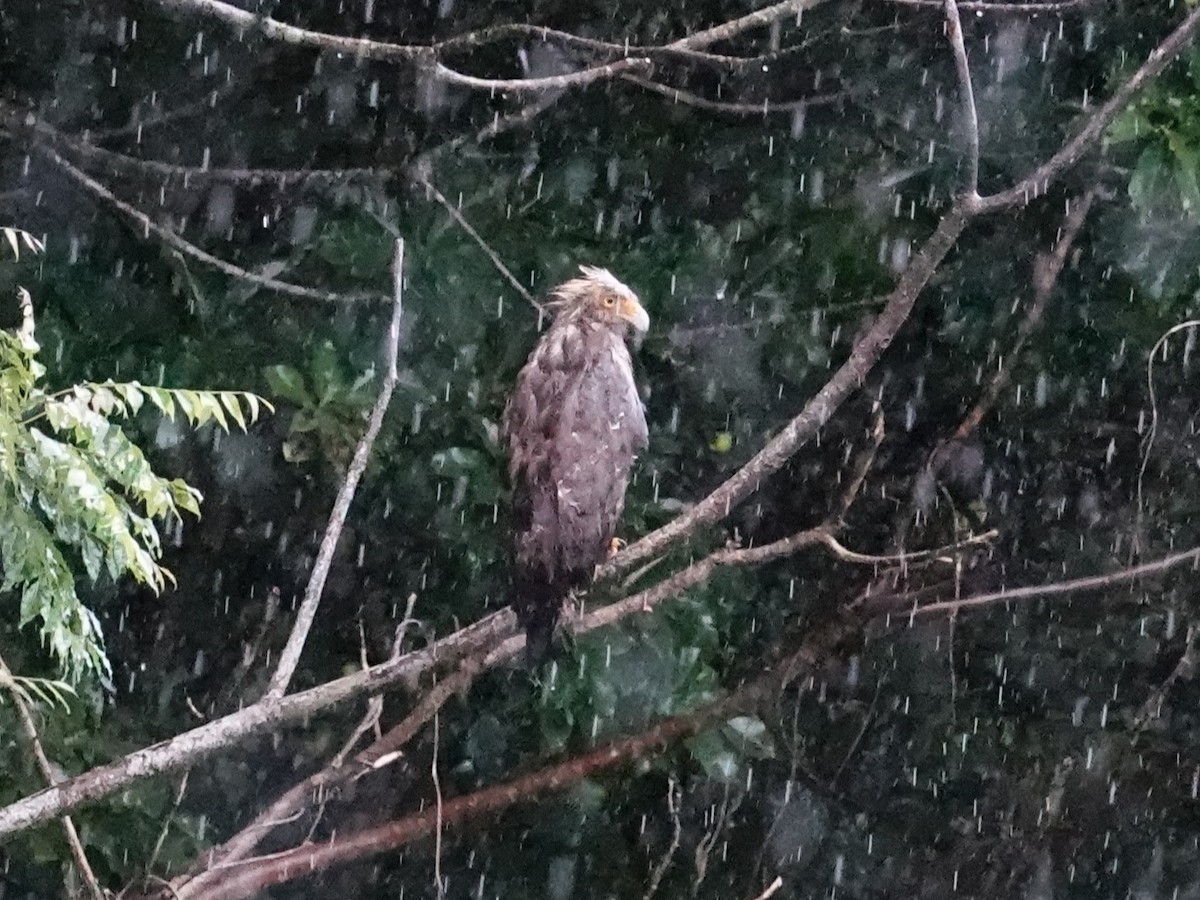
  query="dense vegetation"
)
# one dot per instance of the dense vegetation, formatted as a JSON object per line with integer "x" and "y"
{"x": 793, "y": 197}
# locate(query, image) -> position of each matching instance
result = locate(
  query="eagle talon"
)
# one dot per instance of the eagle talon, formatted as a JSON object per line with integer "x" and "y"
{"x": 615, "y": 546}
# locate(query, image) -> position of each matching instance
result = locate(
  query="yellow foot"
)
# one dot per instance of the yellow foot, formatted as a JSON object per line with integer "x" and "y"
{"x": 615, "y": 546}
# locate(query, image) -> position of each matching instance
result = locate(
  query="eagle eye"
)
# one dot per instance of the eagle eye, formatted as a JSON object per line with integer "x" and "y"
{"x": 609, "y": 301}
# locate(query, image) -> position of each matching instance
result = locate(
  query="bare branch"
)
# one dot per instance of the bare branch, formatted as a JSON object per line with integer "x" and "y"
{"x": 545, "y": 34}
{"x": 816, "y": 412}
{"x": 254, "y": 875}
{"x": 674, "y": 798}
{"x": 1056, "y": 588}
{"x": 772, "y": 889}
{"x": 291, "y": 34}
{"x": 29, "y": 727}
{"x": 756, "y": 19}
{"x": 173, "y": 240}
{"x": 985, "y": 6}
{"x": 967, "y": 97}
{"x": 466, "y": 226}
{"x": 898, "y": 304}
{"x": 219, "y": 734}
{"x": 1046, "y": 273}
{"x": 548, "y": 83}
{"x": 678, "y": 95}
{"x": 1038, "y": 181}
{"x": 290, "y": 657}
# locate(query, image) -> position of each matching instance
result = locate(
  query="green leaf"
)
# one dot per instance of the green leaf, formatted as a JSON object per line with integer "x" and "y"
{"x": 287, "y": 383}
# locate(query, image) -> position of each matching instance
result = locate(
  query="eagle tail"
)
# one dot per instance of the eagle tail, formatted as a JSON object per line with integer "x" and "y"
{"x": 538, "y": 604}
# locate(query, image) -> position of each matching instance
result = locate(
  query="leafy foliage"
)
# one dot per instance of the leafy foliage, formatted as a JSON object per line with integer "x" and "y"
{"x": 80, "y": 486}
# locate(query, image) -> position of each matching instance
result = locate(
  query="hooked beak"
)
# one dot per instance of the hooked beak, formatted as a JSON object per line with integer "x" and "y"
{"x": 635, "y": 314}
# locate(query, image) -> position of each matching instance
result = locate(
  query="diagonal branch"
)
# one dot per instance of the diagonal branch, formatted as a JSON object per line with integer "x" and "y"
{"x": 252, "y": 876}
{"x": 29, "y": 727}
{"x": 1038, "y": 181}
{"x": 766, "y": 107}
{"x": 173, "y": 240}
{"x": 1052, "y": 589}
{"x": 547, "y": 83}
{"x": 1047, "y": 269}
{"x": 898, "y": 304}
{"x": 461, "y": 221}
{"x": 290, "y": 657}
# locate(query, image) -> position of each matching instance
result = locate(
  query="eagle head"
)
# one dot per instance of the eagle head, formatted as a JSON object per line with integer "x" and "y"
{"x": 597, "y": 296}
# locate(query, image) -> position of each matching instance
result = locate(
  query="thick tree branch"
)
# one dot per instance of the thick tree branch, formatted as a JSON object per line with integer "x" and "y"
{"x": 817, "y": 411}
{"x": 251, "y": 877}
{"x": 378, "y": 754}
{"x": 290, "y": 657}
{"x": 259, "y": 718}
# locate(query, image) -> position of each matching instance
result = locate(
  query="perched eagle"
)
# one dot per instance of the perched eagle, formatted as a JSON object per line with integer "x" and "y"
{"x": 572, "y": 428}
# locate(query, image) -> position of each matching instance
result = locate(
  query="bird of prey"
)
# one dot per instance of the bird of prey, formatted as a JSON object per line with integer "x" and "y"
{"x": 572, "y": 428}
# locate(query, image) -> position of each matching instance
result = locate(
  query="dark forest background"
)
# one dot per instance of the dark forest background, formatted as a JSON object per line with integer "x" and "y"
{"x": 763, "y": 193}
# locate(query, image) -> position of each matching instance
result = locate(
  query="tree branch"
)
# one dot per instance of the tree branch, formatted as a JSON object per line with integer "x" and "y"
{"x": 290, "y": 657}
{"x": 967, "y": 97}
{"x": 455, "y": 214}
{"x": 250, "y": 877}
{"x": 547, "y": 83}
{"x": 1039, "y": 179}
{"x": 898, "y": 304}
{"x": 986, "y": 6}
{"x": 766, "y": 107}
{"x": 1047, "y": 270}
{"x": 816, "y": 412}
{"x": 171, "y": 239}
{"x": 1053, "y": 589}
{"x": 29, "y": 727}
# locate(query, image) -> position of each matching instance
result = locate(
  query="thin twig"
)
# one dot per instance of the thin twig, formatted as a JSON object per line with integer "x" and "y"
{"x": 664, "y": 863}
{"x": 439, "y": 822}
{"x": 172, "y": 239}
{"x": 29, "y": 727}
{"x": 1152, "y": 432}
{"x": 466, "y": 226}
{"x": 1047, "y": 270}
{"x": 290, "y": 657}
{"x": 546, "y": 83}
{"x": 1058, "y": 588}
{"x": 967, "y": 97}
{"x": 766, "y": 107}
